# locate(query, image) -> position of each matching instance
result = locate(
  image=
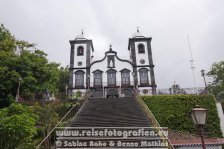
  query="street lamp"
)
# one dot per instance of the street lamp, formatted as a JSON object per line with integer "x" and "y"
{"x": 199, "y": 116}
{"x": 203, "y": 75}
{"x": 17, "y": 94}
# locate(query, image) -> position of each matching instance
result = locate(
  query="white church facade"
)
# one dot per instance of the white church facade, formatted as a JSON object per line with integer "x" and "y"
{"x": 112, "y": 76}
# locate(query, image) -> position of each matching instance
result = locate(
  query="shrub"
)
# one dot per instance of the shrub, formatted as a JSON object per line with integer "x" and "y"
{"x": 173, "y": 111}
{"x": 17, "y": 126}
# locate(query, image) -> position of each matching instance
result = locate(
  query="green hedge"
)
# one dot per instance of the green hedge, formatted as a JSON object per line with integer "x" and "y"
{"x": 173, "y": 111}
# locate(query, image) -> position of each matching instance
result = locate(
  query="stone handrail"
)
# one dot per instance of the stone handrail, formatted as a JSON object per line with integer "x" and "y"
{"x": 69, "y": 115}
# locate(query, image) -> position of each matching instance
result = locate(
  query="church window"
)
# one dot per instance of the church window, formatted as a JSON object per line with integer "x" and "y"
{"x": 141, "y": 48}
{"x": 143, "y": 73}
{"x": 79, "y": 79}
{"x": 79, "y": 63}
{"x": 80, "y": 51}
{"x": 98, "y": 78}
{"x": 125, "y": 77}
{"x": 111, "y": 77}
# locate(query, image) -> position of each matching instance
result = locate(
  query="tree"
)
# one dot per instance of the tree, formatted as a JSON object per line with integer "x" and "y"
{"x": 63, "y": 82}
{"x": 38, "y": 74}
{"x": 8, "y": 77}
{"x": 217, "y": 73}
{"x": 47, "y": 119}
{"x": 21, "y": 59}
{"x": 176, "y": 89}
{"x": 17, "y": 126}
{"x": 7, "y": 41}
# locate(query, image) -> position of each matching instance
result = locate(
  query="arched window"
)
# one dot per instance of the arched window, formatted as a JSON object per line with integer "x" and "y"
{"x": 80, "y": 51}
{"x": 79, "y": 79}
{"x": 97, "y": 78}
{"x": 125, "y": 77}
{"x": 111, "y": 77}
{"x": 143, "y": 74}
{"x": 141, "y": 48}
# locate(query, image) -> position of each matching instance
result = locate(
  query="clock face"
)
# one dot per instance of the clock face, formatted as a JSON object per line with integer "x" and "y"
{"x": 142, "y": 61}
{"x": 79, "y": 63}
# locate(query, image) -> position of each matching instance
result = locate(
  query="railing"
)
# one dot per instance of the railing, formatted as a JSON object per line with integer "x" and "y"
{"x": 194, "y": 90}
{"x": 153, "y": 120}
{"x": 117, "y": 83}
{"x": 104, "y": 84}
{"x": 48, "y": 141}
{"x": 107, "y": 84}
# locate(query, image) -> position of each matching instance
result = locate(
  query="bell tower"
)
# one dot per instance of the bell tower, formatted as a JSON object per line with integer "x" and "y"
{"x": 139, "y": 47}
{"x": 80, "y": 59}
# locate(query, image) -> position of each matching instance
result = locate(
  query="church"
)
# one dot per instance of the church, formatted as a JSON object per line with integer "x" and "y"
{"x": 112, "y": 76}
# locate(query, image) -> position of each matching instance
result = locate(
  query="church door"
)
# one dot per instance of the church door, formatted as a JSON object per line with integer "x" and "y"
{"x": 112, "y": 93}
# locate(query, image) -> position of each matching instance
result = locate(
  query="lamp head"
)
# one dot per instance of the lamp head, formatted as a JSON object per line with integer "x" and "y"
{"x": 202, "y": 72}
{"x": 199, "y": 116}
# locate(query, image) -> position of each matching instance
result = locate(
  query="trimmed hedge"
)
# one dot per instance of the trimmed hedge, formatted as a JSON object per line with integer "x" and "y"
{"x": 173, "y": 111}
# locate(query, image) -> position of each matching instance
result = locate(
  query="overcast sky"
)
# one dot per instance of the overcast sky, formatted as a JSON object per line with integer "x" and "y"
{"x": 52, "y": 23}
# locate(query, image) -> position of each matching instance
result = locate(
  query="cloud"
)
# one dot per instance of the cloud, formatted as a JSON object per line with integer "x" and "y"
{"x": 52, "y": 23}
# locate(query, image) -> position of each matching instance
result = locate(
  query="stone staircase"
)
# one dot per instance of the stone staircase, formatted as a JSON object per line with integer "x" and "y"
{"x": 114, "y": 115}
{"x": 111, "y": 112}
{"x": 107, "y": 114}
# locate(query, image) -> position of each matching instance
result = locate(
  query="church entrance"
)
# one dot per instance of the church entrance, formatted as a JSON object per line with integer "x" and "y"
{"x": 127, "y": 92}
{"x": 97, "y": 93}
{"x": 112, "y": 93}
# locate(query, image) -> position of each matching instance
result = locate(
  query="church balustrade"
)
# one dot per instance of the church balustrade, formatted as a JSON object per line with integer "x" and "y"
{"x": 117, "y": 84}
{"x": 103, "y": 84}
{"x": 131, "y": 84}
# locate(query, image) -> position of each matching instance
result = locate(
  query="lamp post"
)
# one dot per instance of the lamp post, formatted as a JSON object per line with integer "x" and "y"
{"x": 17, "y": 94}
{"x": 203, "y": 75}
{"x": 199, "y": 116}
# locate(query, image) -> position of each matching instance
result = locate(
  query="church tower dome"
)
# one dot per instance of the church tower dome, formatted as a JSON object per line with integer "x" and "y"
{"x": 138, "y": 34}
{"x": 81, "y": 36}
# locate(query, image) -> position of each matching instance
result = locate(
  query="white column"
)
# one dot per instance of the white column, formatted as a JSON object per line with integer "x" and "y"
{"x": 221, "y": 116}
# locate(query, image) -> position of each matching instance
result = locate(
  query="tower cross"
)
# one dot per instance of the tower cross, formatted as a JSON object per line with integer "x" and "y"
{"x": 110, "y": 47}
{"x": 137, "y": 29}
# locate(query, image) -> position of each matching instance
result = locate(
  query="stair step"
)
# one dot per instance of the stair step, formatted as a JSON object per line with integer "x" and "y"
{"x": 111, "y": 112}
